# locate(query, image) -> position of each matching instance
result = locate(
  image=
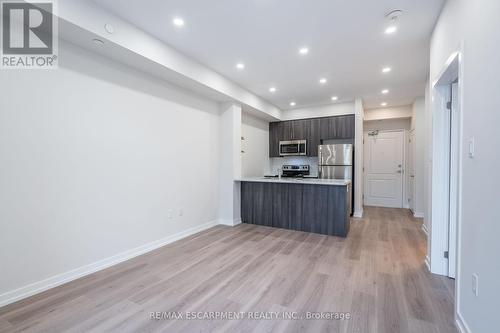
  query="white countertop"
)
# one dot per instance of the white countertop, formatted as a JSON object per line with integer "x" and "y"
{"x": 314, "y": 181}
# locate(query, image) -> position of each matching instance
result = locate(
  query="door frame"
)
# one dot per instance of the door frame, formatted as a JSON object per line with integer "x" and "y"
{"x": 455, "y": 133}
{"x": 452, "y": 70}
{"x": 404, "y": 177}
{"x": 412, "y": 154}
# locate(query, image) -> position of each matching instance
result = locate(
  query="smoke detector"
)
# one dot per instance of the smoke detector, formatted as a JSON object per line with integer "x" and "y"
{"x": 394, "y": 15}
{"x": 392, "y": 18}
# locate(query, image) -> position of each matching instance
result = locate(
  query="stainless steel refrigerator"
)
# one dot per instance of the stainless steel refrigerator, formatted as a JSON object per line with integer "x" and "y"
{"x": 335, "y": 161}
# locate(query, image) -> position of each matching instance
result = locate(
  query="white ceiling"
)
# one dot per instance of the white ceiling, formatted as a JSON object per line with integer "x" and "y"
{"x": 346, "y": 42}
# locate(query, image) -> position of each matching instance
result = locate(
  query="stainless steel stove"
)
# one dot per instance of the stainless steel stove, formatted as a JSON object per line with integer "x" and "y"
{"x": 297, "y": 171}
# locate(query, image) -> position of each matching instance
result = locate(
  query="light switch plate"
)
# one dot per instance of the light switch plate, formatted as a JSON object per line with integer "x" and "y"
{"x": 472, "y": 148}
{"x": 475, "y": 284}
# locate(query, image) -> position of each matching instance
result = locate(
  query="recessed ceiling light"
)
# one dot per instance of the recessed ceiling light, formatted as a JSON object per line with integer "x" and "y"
{"x": 391, "y": 29}
{"x": 334, "y": 98}
{"x": 272, "y": 89}
{"x": 386, "y": 69}
{"x": 240, "y": 65}
{"x": 292, "y": 103}
{"x": 385, "y": 91}
{"x": 178, "y": 22}
{"x": 322, "y": 81}
{"x": 304, "y": 50}
{"x": 383, "y": 104}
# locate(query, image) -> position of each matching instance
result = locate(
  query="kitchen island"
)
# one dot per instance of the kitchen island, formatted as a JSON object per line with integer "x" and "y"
{"x": 312, "y": 205}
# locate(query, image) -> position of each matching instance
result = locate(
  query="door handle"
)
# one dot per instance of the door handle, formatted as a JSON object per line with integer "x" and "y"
{"x": 399, "y": 171}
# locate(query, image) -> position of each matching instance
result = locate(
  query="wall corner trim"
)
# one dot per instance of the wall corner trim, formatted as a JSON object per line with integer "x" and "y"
{"x": 231, "y": 223}
{"x": 462, "y": 324}
{"x": 358, "y": 214}
{"x": 428, "y": 262}
{"x": 425, "y": 230}
{"x": 60, "y": 279}
{"x": 418, "y": 215}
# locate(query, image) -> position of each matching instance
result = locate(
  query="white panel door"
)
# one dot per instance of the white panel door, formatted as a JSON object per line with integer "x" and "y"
{"x": 384, "y": 156}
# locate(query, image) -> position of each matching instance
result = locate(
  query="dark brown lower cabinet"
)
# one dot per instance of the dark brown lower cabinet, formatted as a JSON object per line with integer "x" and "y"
{"x": 322, "y": 209}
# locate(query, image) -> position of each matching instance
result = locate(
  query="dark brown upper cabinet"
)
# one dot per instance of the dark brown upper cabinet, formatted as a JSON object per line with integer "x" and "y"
{"x": 286, "y": 127}
{"x": 313, "y": 136}
{"x": 275, "y": 136}
{"x": 299, "y": 129}
{"x": 345, "y": 127}
{"x": 313, "y": 130}
{"x": 340, "y": 127}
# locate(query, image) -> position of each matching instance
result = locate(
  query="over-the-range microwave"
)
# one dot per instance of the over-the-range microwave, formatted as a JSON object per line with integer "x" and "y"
{"x": 293, "y": 148}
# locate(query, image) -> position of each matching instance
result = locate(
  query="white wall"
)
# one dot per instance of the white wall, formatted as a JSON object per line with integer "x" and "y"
{"x": 428, "y": 167}
{"x": 141, "y": 50}
{"x": 387, "y": 124}
{"x": 92, "y": 158}
{"x": 319, "y": 111}
{"x": 230, "y": 165}
{"x": 475, "y": 25}
{"x": 358, "y": 188}
{"x": 389, "y": 113}
{"x": 255, "y": 146}
{"x": 418, "y": 125}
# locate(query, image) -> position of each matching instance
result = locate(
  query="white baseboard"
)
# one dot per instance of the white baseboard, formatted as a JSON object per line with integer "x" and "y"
{"x": 418, "y": 215}
{"x": 461, "y": 324}
{"x": 358, "y": 214}
{"x": 57, "y": 280}
{"x": 425, "y": 230}
{"x": 230, "y": 223}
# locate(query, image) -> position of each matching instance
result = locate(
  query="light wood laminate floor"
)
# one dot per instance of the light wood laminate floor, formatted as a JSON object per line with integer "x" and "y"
{"x": 377, "y": 274}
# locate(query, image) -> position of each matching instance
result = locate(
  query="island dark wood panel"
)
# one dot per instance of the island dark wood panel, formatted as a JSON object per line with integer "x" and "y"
{"x": 322, "y": 209}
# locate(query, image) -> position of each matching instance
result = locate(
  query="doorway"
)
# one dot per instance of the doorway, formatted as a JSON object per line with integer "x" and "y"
{"x": 411, "y": 172}
{"x": 446, "y": 157}
{"x": 384, "y": 168}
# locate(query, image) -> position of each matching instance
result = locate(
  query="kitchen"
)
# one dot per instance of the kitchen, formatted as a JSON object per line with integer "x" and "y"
{"x": 334, "y": 158}
{"x": 307, "y": 180}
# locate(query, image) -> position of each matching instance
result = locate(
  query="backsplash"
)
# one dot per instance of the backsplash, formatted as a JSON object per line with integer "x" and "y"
{"x": 278, "y": 162}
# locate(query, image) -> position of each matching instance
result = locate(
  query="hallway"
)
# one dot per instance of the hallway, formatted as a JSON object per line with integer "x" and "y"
{"x": 408, "y": 297}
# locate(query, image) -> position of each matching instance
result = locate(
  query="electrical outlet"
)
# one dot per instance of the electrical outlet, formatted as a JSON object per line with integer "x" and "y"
{"x": 475, "y": 284}
{"x": 170, "y": 213}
